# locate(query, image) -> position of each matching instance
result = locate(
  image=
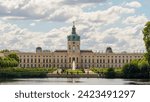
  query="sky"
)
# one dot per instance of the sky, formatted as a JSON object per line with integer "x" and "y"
{"x": 27, "y": 24}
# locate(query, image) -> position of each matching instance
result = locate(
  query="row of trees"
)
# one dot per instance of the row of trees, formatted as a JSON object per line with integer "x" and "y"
{"x": 12, "y": 60}
{"x": 136, "y": 69}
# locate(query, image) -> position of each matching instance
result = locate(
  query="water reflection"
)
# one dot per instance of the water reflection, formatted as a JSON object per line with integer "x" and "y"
{"x": 138, "y": 81}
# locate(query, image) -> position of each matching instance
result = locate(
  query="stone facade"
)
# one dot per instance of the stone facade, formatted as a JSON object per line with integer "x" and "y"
{"x": 82, "y": 58}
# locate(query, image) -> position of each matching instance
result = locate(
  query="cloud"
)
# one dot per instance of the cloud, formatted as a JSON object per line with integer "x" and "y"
{"x": 74, "y": 2}
{"x": 15, "y": 38}
{"x": 32, "y": 24}
{"x": 135, "y": 20}
{"x": 110, "y": 39}
{"x": 102, "y": 17}
{"x": 28, "y": 9}
{"x": 98, "y": 28}
{"x": 134, "y": 4}
{"x": 58, "y": 11}
{"x": 41, "y": 9}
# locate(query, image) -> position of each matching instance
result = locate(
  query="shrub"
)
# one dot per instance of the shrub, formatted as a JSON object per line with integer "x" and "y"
{"x": 130, "y": 70}
{"x": 25, "y": 72}
{"x": 110, "y": 73}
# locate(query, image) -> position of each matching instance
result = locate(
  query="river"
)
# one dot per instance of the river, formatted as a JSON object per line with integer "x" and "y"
{"x": 73, "y": 81}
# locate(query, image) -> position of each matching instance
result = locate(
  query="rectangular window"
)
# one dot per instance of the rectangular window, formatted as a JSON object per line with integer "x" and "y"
{"x": 103, "y": 61}
{"x": 119, "y": 61}
{"x": 123, "y": 61}
{"x": 108, "y": 60}
{"x": 43, "y": 60}
{"x": 65, "y": 61}
{"x": 27, "y": 60}
{"x": 69, "y": 60}
{"x": 127, "y": 61}
{"x": 100, "y": 61}
{"x": 31, "y": 60}
{"x": 115, "y": 60}
{"x": 81, "y": 60}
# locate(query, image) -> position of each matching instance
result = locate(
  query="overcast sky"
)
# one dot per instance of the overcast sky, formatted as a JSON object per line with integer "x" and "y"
{"x": 26, "y": 24}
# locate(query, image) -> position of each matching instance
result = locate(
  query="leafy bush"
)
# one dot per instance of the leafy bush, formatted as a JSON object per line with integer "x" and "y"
{"x": 12, "y": 60}
{"x": 138, "y": 69}
{"x": 110, "y": 73}
{"x": 77, "y": 71}
{"x": 130, "y": 70}
{"x": 25, "y": 72}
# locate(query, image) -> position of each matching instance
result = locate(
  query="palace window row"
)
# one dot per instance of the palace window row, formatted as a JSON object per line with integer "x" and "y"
{"x": 76, "y": 60}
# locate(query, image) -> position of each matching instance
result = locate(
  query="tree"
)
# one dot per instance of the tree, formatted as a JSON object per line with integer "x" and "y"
{"x": 110, "y": 73}
{"x": 14, "y": 56}
{"x": 146, "y": 38}
{"x": 8, "y": 62}
{"x": 144, "y": 68}
{"x": 135, "y": 62}
{"x": 130, "y": 70}
{"x": 1, "y": 62}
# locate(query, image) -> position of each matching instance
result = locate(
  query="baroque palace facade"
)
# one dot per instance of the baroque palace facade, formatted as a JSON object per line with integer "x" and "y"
{"x": 82, "y": 58}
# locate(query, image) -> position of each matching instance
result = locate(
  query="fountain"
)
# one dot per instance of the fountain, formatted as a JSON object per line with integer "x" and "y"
{"x": 73, "y": 65}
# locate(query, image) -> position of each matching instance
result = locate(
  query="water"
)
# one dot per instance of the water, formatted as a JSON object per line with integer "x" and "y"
{"x": 73, "y": 81}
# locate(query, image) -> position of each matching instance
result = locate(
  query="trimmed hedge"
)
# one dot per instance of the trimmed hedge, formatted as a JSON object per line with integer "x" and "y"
{"x": 25, "y": 72}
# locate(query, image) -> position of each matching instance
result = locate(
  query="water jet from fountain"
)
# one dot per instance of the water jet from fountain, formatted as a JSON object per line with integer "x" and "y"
{"x": 73, "y": 65}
